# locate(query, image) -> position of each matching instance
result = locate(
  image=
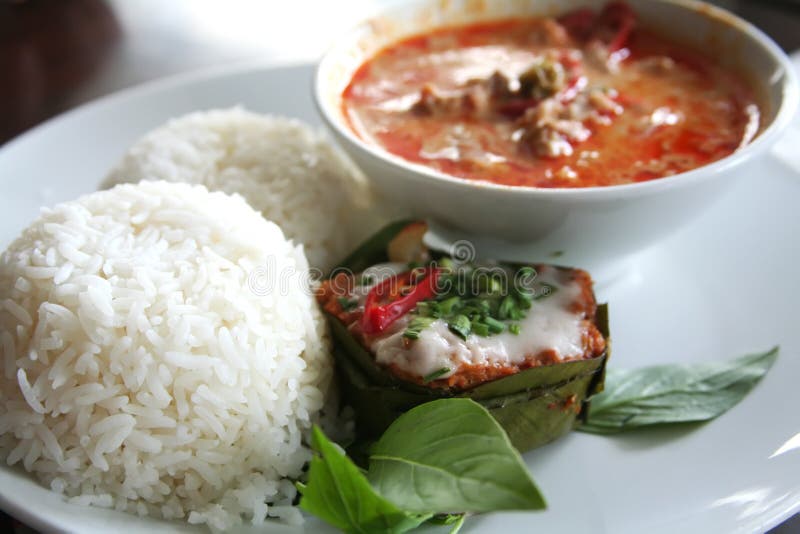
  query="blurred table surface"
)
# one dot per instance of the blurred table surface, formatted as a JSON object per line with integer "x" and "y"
{"x": 58, "y": 54}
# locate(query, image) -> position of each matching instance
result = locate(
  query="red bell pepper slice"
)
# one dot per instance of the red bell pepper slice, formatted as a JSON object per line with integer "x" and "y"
{"x": 386, "y": 302}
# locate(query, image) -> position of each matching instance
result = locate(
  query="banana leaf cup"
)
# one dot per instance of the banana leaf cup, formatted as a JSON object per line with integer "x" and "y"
{"x": 534, "y": 405}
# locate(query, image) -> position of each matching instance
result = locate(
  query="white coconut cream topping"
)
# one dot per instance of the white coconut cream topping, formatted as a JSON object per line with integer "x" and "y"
{"x": 548, "y": 325}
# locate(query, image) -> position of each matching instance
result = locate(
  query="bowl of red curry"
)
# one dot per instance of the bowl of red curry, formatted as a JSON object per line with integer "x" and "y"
{"x": 585, "y": 129}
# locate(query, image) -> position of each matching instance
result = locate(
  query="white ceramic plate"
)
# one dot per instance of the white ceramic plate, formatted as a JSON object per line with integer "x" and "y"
{"x": 727, "y": 285}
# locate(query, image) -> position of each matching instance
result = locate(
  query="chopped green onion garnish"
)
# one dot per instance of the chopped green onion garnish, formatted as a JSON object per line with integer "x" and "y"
{"x": 516, "y": 314}
{"x": 495, "y": 286}
{"x": 460, "y": 325}
{"x": 524, "y": 299}
{"x": 485, "y": 283}
{"x": 477, "y": 300}
{"x": 436, "y": 374}
{"x": 347, "y": 304}
{"x": 480, "y": 329}
{"x": 448, "y": 306}
{"x": 495, "y": 326}
{"x": 367, "y": 280}
{"x": 428, "y": 308}
{"x": 416, "y": 326}
{"x": 507, "y": 306}
{"x": 446, "y": 263}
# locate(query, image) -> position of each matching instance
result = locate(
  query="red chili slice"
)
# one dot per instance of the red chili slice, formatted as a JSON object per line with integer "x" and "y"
{"x": 620, "y": 19}
{"x": 613, "y": 26}
{"x": 378, "y": 316}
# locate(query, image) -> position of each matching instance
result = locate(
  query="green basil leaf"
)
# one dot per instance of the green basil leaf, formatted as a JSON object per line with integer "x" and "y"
{"x": 451, "y": 455}
{"x": 460, "y": 325}
{"x": 662, "y": 394}
{"x": 338, "y": 493}
{"x": 457, "y": 523}
{"x": 454, "y": 521}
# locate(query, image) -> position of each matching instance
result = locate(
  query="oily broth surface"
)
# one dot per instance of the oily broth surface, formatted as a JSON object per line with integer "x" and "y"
{"x": 680, "y": 110}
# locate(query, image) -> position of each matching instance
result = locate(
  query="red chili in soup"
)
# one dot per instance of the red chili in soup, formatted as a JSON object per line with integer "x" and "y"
{"x": 588, "y": 99}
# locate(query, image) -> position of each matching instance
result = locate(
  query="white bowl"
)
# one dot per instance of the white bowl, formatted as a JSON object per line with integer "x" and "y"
{"x": 592, "y": 227}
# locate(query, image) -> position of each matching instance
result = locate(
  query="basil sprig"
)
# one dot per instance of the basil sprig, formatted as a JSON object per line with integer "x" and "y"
{"x": 445, "y": 456}
{"x": 339, "y": 494}
{"x": 661, "y": 394}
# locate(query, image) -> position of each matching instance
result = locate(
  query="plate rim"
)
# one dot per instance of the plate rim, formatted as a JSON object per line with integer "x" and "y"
{"x": 768, "y": 519}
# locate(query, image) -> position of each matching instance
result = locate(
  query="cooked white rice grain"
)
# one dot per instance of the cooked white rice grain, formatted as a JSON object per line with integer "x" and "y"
{"x": 282, "y": 167}
{"x": 140, "y": 370}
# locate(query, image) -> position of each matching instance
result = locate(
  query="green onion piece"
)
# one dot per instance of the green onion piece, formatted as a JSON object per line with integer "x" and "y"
{"x": 480, "y": 329}
{"x": 482, "y": 283}
{"x": 495, "y": 326}
{"x": 347, "y": 304}
{"x": 460, "y": 325}
{"x": 493, "y": 306}
{"x": 448, "y": 306}
{"x": 516, "y": 314}
{"x": 514, "y": 329}
{"x": 447, "y": 263}
{"x": 507, "y": 306}
{"x": 436, "y": 374}
{"x": 474, "y": 316}
{"x": 367, "y": 280}
{"x": 416, "y": 326}
{"x": 474, "y": 307}
{"x": 495, "y": 287}
{"x": 524, "y": 299}
{"x": 428, "y": 308}
{"x": 483, "y": 304}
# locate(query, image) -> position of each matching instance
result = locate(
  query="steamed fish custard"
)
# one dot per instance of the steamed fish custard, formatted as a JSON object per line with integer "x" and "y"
{"x": 528, "y": 341}
{"x": 464, "y": 325}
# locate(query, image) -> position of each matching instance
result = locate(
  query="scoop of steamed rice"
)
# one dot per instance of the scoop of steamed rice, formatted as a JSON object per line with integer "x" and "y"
{"x": 282, "y": 167}
{"x": 161, "y": 355}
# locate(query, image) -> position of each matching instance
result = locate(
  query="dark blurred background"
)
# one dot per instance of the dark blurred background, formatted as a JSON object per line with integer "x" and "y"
{"x": 57, "y": 54}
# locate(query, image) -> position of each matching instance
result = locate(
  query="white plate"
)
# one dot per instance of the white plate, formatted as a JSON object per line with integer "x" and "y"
{"x": 728, "y": 285}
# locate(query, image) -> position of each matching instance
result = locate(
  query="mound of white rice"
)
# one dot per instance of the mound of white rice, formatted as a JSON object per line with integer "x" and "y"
{"x": 161, "y": 355}
{"x": 282, "y": 167}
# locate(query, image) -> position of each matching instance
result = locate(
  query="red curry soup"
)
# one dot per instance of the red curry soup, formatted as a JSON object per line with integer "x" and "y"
{"x": 588, "y": 99}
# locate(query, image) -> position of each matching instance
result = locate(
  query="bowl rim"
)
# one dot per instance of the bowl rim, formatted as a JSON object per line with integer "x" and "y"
{"x": 788, "y": 104}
